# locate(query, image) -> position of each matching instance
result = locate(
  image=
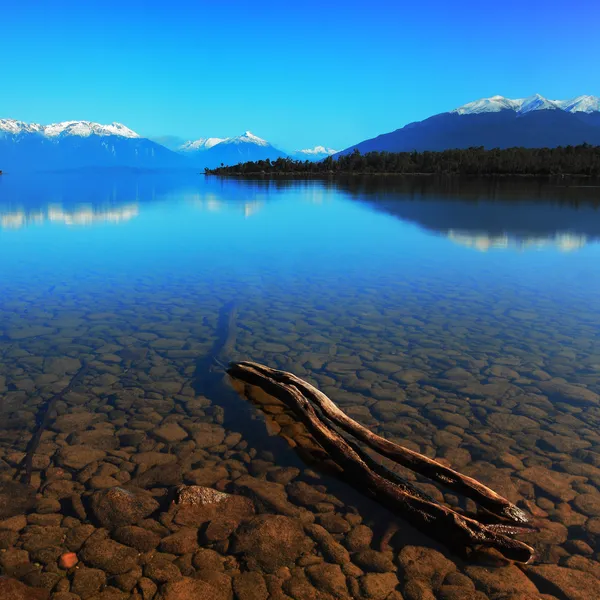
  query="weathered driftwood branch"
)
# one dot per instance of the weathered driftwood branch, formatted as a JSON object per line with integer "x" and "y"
{"x": 436, "y": 519}
{"x": 467, "y": 486}
{"x": 42, "y": 419}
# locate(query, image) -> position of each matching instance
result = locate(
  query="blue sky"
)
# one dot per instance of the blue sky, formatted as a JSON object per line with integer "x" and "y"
{"x": 296, "y": 73}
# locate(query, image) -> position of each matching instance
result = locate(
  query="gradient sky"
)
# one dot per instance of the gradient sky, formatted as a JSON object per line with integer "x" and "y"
{"x": 295, "y": 73}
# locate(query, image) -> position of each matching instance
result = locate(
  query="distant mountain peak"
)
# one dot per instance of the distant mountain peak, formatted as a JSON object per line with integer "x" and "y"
{"x": 317, "y": 150}
{"x": 585, "y": 104}
{"x": 72, "y": 128}
{"x": 247, "y": 138}
{"x": 201, "y": 144}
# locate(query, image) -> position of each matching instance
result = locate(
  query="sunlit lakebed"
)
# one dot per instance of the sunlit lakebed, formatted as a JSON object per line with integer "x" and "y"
{"x": 458, "y": 319}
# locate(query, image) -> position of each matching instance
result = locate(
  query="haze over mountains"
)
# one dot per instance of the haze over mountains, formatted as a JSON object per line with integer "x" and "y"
{"x": 495, "y": 122}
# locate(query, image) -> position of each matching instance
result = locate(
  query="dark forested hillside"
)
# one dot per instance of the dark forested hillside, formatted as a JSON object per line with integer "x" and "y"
{"x": 569, "y": 160}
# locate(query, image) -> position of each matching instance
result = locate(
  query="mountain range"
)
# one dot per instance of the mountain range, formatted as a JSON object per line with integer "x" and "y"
{"x": 84, "y": 144}
{"x": 497, "y": 122}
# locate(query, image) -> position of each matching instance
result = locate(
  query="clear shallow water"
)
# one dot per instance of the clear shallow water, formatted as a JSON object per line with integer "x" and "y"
{"x": 457, "y": 319}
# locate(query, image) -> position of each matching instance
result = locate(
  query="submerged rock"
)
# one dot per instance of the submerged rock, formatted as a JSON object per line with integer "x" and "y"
{"x": 116, "y": 507}
{"x": 15, "y": 499}
{"x": 271, "y": 542}
{"x": 11, "y": 589}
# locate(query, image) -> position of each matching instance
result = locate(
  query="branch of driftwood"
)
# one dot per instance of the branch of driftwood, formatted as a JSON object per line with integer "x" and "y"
{"x": 321, "y": 417}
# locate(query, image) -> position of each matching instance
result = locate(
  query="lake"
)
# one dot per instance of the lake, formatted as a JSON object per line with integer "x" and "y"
{"x": 459, "y": 318}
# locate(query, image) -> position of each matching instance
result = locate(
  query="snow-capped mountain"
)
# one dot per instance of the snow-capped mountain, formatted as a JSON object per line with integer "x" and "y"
{"x": 585, "y": 104}
{"x": 313, "y": 154}
{"x": 78, "y": 144}
{"x": 74, "y": 128}
{"x": 212, "y": 151}
{"x": 498, "y": 122}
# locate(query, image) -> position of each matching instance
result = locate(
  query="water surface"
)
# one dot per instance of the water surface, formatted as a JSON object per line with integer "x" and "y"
{"x": 458, "y": 318}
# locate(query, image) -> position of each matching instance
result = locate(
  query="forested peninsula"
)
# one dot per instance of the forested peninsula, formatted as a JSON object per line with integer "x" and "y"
{"x": 583, "y": 160}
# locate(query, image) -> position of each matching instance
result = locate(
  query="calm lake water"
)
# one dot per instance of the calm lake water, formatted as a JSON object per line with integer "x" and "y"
{"x": 461, "y": 319}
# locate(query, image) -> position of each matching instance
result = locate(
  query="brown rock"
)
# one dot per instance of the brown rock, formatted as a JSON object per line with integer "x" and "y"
{"x": 334, "y": 523}
{"x": 11, "y": 589}
{"x": 372, "y": 561}
{"x": 141, "y": 539}
{"x": 162, "y": 570}
{"x": 328, "y": 578}
{"x": 15, "y": 499}
{"x": 79, "y": 456}
{"x": 87, "y": 582}
{"x": 73, "y": 422}
{"x": 207, "y": 559}
{"x": 206, "y": 476}
{"x": 588, "y": 504}
{"x": 181, "y": 542}
{"x": 76, "y": 536}
{"x": 270, "y": 542}
{"x": 378, "y": 586}
{"x": 417, "y": 562}
{"x": 108, "y": 555}
{"x": 555, "y": 485}
{"x": 206, "y": 435}
{"x": 332, "y": 550}
{"x": 190, "y": 589}
{"x": 268, "y": 496}
{"x": 116, "y": 507}
{"x": 360, "y": 537}
{"x": 250, "y": 586}
{"x": 497, "y": 581}
{"x": 570, "y": 583}
{"x": 170, "y": 433}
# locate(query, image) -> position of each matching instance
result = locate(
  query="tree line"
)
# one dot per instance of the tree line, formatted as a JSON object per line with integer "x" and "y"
{"x": 564, "y": 160}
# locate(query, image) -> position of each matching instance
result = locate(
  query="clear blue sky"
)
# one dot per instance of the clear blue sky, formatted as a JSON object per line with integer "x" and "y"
{"x": 296, "y": 73}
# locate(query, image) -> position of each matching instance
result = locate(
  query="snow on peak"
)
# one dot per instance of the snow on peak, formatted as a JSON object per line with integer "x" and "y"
{"x": 75, "y": 128}
{"x": 247, "y": 138}
{"x": 317, "y": 150}
{"x": 201, "y": 144}
{"x": 585, "y": 104}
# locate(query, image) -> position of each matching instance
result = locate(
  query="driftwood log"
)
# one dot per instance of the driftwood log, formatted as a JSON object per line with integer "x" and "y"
{"x": 321, "y": 416}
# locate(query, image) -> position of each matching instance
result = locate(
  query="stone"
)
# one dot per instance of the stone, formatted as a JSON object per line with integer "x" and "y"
{"x": 206, "y": 476}
{"x": 498, "y": 581}
{"x": 139, "y": 538}
{"x": 332, "y": 550}
{"x": 73, "y": 422}
{"x": 148, "y": 588}
{"x": 15, "y": 499}
{"x": 250, "y": 585}
{"x": 68, "y": 560}
{"x": 333, "y": 522}
{"x": 108, "y": 555}
{"x": 360, "y": 537}
{"x": 116, "y": 507}
{"x": 170, "y": 433}
{"x": 181, "y": 542}
{"x": 270, "y": 542}
{"x": 372, "y": 561}
{"x": 588, "y": 504}
{"x": 569, "y": 393}
{"x": 267, "y": 496}
{"x": 196, "y": 505}
{"x": 556, "y": 485}
{"x": 162, "y": 570}
{"x": 207, "y": 560}
{"x": 206, "y": 435}
{"x": 159, "y": 476}
{"x": 378, "y": 586}
{"x": 570, "y": 583}
{"x": 190, "y": 589}
{"x": 416, "y": 562}
{"x": 11, "y": 589}
{"x": 79, "y": 456}
{"x": 150, "y": 459}
{"x": 328, "y": 578}
{"x": 76, "y": 536}
{"x": 87, "y": 582}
